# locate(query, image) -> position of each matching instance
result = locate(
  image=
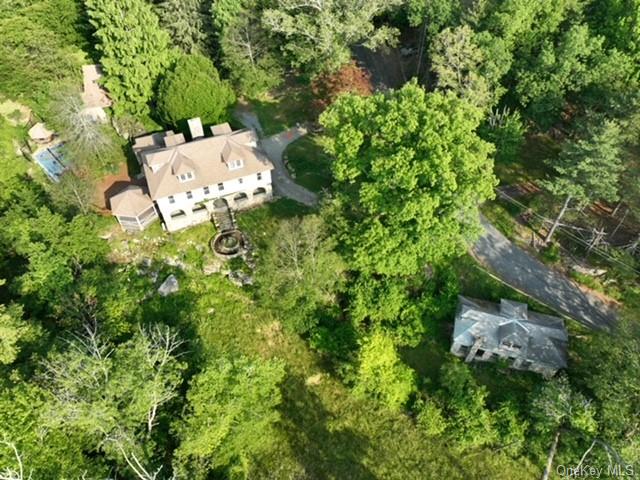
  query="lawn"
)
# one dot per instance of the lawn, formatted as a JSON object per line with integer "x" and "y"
{"x": 308, "y": 162}
{"x": 282, "y": 110}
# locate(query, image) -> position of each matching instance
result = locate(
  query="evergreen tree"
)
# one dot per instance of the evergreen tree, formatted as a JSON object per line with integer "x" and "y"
{"x": 588, "y": 169}
{"x": 188, "y": 24}
{"x": 134, "y": 51}
{"x": 193, "y": 88}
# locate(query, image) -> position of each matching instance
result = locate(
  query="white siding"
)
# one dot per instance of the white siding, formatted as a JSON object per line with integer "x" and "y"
{"x": 232, "y": 188}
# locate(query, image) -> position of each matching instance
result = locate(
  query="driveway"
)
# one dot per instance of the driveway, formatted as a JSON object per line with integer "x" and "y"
{"x": 520, "y": 270}
{"x": 274, "y": 147}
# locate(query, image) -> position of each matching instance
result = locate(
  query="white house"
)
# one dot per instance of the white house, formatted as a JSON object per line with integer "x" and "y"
{"x": 187, "y": 181}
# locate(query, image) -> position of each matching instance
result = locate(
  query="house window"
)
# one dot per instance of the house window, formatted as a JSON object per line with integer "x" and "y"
{"x": 189, "y": 195}
{"x": 185, "y": 177}
{"x": 206, "y": 190}
{"x": 235, "y": 164}
{"x": 240, "y": 180}
{"x": 171, "y": 199}
{"x": 221, "y": 186}
{"x": 259, "y": 175}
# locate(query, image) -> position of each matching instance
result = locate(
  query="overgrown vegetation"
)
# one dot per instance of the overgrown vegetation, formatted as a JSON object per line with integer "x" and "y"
{"x": 335, "y": 362}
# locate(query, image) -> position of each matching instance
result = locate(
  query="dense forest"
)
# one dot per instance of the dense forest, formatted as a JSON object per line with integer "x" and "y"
{"x": 334, "y": 362}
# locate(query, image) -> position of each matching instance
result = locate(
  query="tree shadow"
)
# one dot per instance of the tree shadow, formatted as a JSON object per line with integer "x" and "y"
{"x": 322, "y": 451}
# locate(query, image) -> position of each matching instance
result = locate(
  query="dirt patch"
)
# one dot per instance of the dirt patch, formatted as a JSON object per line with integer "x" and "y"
{"x": 111, "y": 185}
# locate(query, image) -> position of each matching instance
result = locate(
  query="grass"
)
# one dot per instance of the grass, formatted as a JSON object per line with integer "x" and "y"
{"x": 261, "y": 224}
{"x": 531, "y": 164}
{"x": 500, "y": 217}
{"x": 310, "y": 164}
{"x": 476, "y": 282}
{"x": 282, "y": 110}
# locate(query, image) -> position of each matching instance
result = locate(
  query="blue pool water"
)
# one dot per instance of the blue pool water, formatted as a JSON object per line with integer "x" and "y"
{"x": 51, "y": 160}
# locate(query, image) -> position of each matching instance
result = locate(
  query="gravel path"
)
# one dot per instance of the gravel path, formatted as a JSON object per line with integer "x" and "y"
{"x": 520, "y": 270}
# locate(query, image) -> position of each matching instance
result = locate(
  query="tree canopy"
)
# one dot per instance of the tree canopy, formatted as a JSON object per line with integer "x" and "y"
{"x": 317, "y": 36}
{"x": 193, "y": 88}
{"x": 132, "y": 72}
{"x": 412, "y": 172}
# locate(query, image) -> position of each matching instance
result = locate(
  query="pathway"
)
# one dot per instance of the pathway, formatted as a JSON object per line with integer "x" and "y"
{"x": 274, "y": 146}
{"x": 520, "y": 270}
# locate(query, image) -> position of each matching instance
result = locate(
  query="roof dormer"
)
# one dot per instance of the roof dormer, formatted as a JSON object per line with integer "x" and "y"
{"x": 183, "y": 167}
{"x": 232, "y": 156}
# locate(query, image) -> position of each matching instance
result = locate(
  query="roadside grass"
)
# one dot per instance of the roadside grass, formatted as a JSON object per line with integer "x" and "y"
{"x": 309, "y": 163}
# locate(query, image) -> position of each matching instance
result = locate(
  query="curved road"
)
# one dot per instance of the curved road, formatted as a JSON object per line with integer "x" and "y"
{"x": 520, "y": 270}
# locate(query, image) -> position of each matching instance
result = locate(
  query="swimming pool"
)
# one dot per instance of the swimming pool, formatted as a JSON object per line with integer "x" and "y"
{"x": 51, "y": 159}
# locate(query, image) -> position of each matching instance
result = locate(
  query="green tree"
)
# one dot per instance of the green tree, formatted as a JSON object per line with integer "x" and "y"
{"x": 301, "y": 274}
{"x": 472, "y": 424}
{"x": 109, "y": 394}
{"x": 566, "y": 67}
{"x": 411, "y": 173}
{"x": 387, "y": 304}
{"x": 506, "y": 131}
{"x": 207, "y": 96}
{"x": 248, "y": 53}
{"x": 381, "y": 375}
{"x": 230, "y": 416}
{"x": 557, "y": 407}
{"x": 456, "y": 61}
{"x": 45, "y": 452}
{"x": 54, "y": 248}
{"x": 14, "y": 331}
{"x": 430, "y": 418}
{"x": 433, "y": 15}
{"x": 188, "y": 24}
{"x": 134, "y": 51}
{"x": 317, "y": 36}
{"x": 587, "y": 169}
{"x": 42, "y": 46}
{"x": 610, "y": 368}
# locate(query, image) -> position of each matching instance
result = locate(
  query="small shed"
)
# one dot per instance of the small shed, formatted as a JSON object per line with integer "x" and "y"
{"x": 133, "y": 208}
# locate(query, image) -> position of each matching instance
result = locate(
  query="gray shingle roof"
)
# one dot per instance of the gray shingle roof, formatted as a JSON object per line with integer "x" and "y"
{"x": 511, "y": 326}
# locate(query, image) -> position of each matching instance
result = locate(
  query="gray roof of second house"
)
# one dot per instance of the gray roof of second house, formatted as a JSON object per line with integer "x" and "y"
{"x": 541, "y": 338}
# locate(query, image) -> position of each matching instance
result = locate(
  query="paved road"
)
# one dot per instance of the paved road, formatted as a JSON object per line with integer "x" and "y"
{"x": 520, "y": 270}
{"x": 274, "y": 147}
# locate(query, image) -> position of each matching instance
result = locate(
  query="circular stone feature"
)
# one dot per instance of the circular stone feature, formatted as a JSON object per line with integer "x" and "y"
{"x": 228, "y": 244}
